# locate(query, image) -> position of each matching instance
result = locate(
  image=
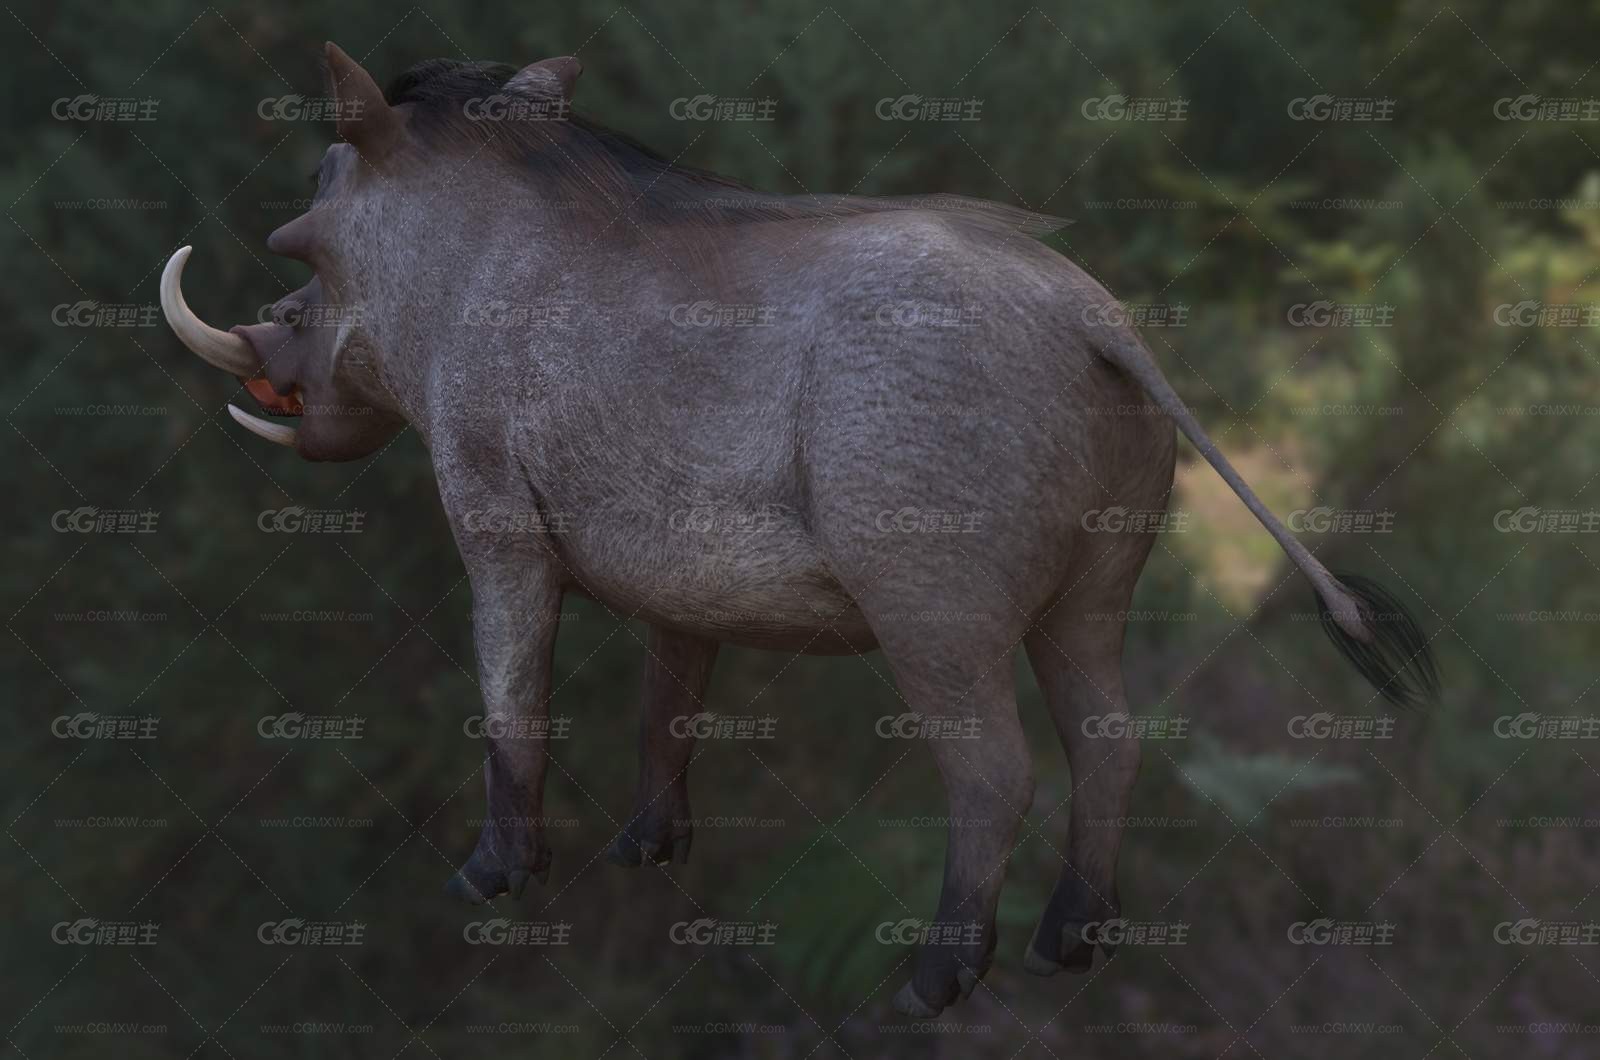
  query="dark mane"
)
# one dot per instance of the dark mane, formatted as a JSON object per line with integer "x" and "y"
{"x": 613, "y": 182}
{"x": 440, "y": 90}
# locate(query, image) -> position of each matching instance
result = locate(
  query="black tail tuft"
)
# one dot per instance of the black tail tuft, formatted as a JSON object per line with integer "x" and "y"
{"x": 1397, "y": 661}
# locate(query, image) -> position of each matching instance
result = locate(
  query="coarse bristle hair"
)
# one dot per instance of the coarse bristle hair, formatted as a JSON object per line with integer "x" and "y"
{"x": 1397, "y": 660}
{"x": 612, "y": 184}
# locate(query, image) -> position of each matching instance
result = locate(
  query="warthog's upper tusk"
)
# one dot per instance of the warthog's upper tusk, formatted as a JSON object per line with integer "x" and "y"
{"x": 279, "y": 433}
{"x": 221, "y": 349}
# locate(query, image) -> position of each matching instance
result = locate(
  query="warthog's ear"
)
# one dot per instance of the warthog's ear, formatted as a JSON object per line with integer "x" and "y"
{"x": 548, "y": 79}
{"x": 363, "y": 117}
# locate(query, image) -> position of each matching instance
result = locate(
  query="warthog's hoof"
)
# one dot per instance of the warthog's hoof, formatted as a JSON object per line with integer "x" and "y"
{"x": 630, "y": 852}
{"x": 479, "y": 880}
{"x": 1067, "y": 934}
{"x": 1065, "y": 952}
{"x": 908, "y": 1003}
{"x": 649, "y": 836}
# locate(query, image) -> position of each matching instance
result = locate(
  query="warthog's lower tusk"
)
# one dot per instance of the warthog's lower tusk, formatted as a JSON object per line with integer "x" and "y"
{"x": 278, "y": 433}
{"x": 220, "y": 349}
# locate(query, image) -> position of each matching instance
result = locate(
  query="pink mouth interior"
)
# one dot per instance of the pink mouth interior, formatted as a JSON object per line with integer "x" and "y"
{"x": 274, "y": 403}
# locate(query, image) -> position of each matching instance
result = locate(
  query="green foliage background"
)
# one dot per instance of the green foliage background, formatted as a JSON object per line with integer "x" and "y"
{"x": 814, "y": 848}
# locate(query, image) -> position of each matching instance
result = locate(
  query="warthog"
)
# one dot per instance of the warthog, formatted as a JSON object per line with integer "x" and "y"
{"x": 777, "y": 367}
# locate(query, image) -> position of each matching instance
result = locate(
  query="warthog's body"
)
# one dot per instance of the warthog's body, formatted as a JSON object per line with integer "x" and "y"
{"x": 736, "y": 482}
{"x": 814, "y": 425}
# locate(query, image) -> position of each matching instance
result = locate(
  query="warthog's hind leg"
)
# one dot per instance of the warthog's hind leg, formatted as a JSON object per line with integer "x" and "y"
{"x": 1076, "y": 654}
{"x": 988, "y": 777}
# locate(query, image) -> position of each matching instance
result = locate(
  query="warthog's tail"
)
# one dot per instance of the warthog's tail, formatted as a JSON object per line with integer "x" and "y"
{"x": 1370, "y": 627}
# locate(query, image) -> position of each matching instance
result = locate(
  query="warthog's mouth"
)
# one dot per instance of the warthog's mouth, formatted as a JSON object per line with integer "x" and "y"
{"x": 274, "y": 403}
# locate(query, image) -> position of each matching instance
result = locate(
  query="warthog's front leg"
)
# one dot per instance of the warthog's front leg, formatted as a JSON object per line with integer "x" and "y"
{"x": 515, "y": 606}
{"x": 677, "y": 670}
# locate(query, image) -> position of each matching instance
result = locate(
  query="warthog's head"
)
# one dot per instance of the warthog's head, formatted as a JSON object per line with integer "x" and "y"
{"x": 319, "y": 354}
